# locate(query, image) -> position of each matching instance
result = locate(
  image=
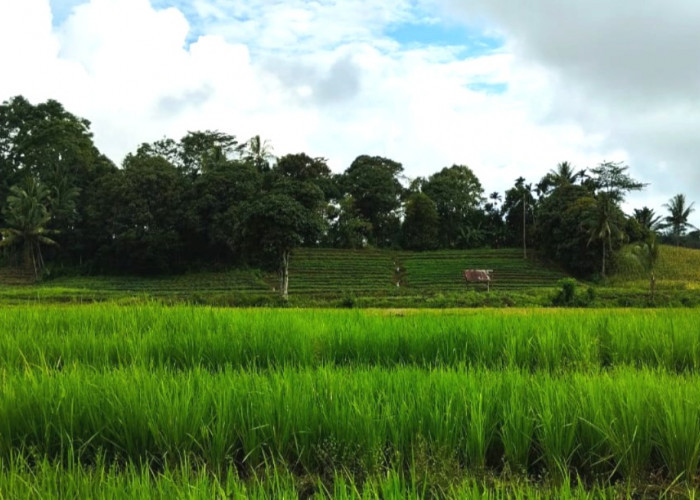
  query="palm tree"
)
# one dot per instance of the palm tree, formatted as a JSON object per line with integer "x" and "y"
{"x": 678, "y": 218}
{"x": 563, "y": 175}
{"x": 259, "y": 152}
{"x": 26, "y": 215}
{"x": 647, "y": 254}
{"x": 648, "y": 219}
{"x": 602, "y": 217}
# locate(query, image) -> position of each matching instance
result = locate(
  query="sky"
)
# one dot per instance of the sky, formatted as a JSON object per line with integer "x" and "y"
{"x": 507, "y": 87}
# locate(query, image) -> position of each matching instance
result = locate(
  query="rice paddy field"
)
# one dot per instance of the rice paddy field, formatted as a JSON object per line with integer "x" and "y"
{"x": 317, "y": 277}
{"x": 108, "y": 401}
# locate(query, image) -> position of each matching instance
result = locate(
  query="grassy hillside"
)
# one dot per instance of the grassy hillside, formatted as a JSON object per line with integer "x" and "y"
{"x": 333, "y": 272}
{"x": 315, "y": 275}
{"x": 676, "y": 268}
{"x": 377, "y": 272}
{"x": 442, "y": 271}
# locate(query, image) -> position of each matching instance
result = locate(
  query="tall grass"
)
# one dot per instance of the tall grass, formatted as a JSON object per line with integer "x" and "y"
{"x": 185, "y": 337}
{"x": 46, "y": 480}
{"x": 361, "y": 420}
{"x": 351, "y": 404}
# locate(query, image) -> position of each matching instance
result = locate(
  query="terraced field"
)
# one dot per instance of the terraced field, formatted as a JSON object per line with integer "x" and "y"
{"x": 332, "y": 272}
{"x": 372, "y": 272}
{"x": 240, "y": 281}
{"x": 442, "y": 270}
{"x": 229, "y": 285}
{"x": 316, "y": 274}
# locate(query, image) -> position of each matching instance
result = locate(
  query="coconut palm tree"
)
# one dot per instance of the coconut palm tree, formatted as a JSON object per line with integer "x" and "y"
{"x": 26, "y": 216}
{"x": 259, "y": 152}
{"x": 647, "y": 254}
{"x": 677, "y": 219}
{"x": 603, "y": 220}
{"x": 648, "y": 219}
{"x": 563, "y": 175}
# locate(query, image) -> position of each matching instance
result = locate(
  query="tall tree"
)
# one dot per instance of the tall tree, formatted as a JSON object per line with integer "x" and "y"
{"x": 603, "y": 221}
{"x": 564, "y": 175}
{"x": 259, "y": 153}
{"x": 420, "y": 225}
{"x": 648, "y": 219}
{"x": 27, "y": 215}
{"x": 143, "y": 213}
{"x": 518, "y": 209}
{"x": 677, "y": 219}
{"x": 559, "y": 232}
{"x": 49, "y": 143}
{"x": 274, "y": 225}
{"x": 604, "y": 217}
{"x": 457, "y": 194}
{"x": 216, "y": 201}
{"x": 646, "y": 253}
{"x": 373, "y": 183}
{"x": 613, "y": 179}
{"x": 347, "y": 227}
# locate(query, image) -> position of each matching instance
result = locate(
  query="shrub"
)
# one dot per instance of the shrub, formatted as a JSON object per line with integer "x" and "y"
{"x": 567, "y": 294}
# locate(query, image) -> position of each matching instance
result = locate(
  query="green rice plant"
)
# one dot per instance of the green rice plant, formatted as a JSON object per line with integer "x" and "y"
{"x": 20, "y": 479}
{"x": 517, "y": 424}
{"x": 677, "y": 428}
{"x": 481, "y": 430}
{"x": 185, "y": 337}
{"x": 362, "y": 420}
{"x": 557, "y": 425}
{"x": 430, "y": 395}
{"x": 627, "y": 406}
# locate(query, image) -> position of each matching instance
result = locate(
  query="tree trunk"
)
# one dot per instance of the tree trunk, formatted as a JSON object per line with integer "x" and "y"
{"x": 284, "y": 275}
{"x": 603, "y": 271}
{"x": 524, "y": 225}
{"x": 652, "y": 285}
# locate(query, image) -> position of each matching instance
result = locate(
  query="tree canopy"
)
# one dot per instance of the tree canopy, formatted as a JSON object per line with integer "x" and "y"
{"x": 207, "y": 199}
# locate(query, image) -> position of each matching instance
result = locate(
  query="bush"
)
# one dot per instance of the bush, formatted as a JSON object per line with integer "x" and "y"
{"x": 348, "y": 300}
{"x": 567, "y": 295}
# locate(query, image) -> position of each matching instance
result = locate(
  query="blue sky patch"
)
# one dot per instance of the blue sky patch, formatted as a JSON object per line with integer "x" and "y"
{"x": 441, "y": 34}
{"x": 61, "y": 9}
{"x": 495, "y": 88}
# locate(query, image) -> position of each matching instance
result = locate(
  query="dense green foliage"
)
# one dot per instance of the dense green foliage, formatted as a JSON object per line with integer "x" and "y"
{"x": 373, "y": 404}
{"x": 208, "y": 199}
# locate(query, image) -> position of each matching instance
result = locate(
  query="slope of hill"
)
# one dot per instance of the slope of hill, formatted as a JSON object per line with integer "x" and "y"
{"x": 315, "y": 274}
{"x": 372, "y": 272}
{"x": 676, "y": 267}
{"x": 442, "y": 270}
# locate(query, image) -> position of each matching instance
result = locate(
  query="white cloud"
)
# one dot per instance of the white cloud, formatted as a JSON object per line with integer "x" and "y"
{"x": 625, "y": 70}
{"x": 322, "y": 77}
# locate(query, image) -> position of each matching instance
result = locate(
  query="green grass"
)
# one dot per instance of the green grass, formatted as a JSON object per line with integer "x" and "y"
{"x": 362, "y": 420}
{"x": 179, "y": 401}
{"x": 47, "y": 480}
{"x": 103, "y": 336}
{"x": 676, "y": 267}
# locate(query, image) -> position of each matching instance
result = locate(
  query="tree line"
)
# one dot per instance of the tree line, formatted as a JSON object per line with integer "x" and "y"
{"x": 208, "y": 199}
